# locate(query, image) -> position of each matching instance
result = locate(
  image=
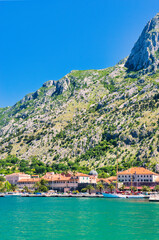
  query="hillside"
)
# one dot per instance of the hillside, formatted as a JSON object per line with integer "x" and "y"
{"x": 92, "y": 117}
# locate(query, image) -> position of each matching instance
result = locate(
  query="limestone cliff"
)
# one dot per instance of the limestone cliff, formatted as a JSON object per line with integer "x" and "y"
{"x": 145, "y": 53}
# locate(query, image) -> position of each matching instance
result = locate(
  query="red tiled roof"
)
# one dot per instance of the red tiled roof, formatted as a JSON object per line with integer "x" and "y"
{"x": 137, "y": 187}
{"x": 29, "y": 180}
{"x": 57, "y": 178}
{"x": 107, "y": 180}
{"x": 81, "y": 175}
{"x": 137, "y": 170}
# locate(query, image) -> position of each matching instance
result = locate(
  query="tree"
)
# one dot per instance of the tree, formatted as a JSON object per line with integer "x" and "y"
{"x": 122, "y": 188}
{"x": 13, "y": 187}
{"x": 26, "y": 189}
{"x": 100, "y": 186}
{"x": 84, "y": 190}
{"x": 89, "y": 188}
{"x": 145, "y": 189}
{"x": 134, "y": 189}
{"x": 111, "y": 187}
{"x": 156, "y": 188}
{"x": 36, "y": 185}
{"x": 2, "y": 179}
{"x": 103, "y": 175}
{"x": 6, "y": 187}
{"x": 41, "y": 186}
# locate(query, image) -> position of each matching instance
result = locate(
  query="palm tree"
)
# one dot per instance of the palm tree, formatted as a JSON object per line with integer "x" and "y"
{"x": 36, "y": 185}
{"x": 111, "y": 187}
{"x": 89, "y": 188}
{"x": 1, "y": 186}
{"x": 146, "y": 189}
{"x": 84, "y": 190}
{"x": 122, "y": 188}
{"x": 26, "y": 189}
{"x": 134, "y": 189}
{"x": 13, "y": 187}
{"x": 100, "y": 186}
{"x": 41, "y": 186}
{"x": 156, "y": 188}
{"x": 7, "y": 186}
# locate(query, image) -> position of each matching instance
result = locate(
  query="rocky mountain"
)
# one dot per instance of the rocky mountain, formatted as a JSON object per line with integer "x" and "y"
{"x": 145, "y": 53}
{"x": 94, "y": 116}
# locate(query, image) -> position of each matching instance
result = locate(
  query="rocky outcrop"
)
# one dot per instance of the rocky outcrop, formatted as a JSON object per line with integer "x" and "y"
{"x": 145, "y": 53}
{"x": 51, "y": 87}
{"x": 49, "y": 83}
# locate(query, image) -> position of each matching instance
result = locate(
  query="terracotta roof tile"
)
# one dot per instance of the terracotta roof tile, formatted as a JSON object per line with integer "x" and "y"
{"x": 29, "y": 180}
{"x": 81, "y": 175}
{"x": 137, "y": 170}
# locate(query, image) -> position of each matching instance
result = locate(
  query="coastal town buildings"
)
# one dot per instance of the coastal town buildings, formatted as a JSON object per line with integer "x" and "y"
{"x": 64, "y": 182}
{"x": 60, "y": 182}
{"x": 27, "y": 182}
{"x": 138, "y": 176}
{"x": 15, "y": 177}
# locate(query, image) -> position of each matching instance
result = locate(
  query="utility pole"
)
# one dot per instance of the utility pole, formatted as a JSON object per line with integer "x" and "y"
{"x": 117, "y": 173}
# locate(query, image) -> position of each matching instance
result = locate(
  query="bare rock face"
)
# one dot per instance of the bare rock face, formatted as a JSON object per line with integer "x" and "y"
{"x": 49, "y": 83}
{"x": 145, "y": 53}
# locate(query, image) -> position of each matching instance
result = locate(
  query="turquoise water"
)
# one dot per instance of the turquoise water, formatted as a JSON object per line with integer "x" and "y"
{"x": 78, "y": 219}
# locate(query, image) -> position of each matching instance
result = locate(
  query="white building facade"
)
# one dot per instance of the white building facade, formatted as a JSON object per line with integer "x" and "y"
{"x": 15, "y": 177}
{"x": 137, "y": 174}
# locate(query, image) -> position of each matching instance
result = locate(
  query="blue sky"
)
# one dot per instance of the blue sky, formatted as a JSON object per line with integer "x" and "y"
{"x": 43, "y": 40}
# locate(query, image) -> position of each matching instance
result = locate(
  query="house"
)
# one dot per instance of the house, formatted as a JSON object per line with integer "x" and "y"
{"x": 107, "y": 181}
{"x": 137, "y": 176}
{"x": 82, "y": 178}
{"x": 15, "y": 177}
{"x": 68, "y": 181}
{"x": 62, "y": 183}
{"x": 27, "y": 182}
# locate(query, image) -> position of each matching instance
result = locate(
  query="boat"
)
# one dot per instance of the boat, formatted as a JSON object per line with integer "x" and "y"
{"x": 12, "y": 194}
{"x": 154, "y": 198}
{"x": 119, "y": 195}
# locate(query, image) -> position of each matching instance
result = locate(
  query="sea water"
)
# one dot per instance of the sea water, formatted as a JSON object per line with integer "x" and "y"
{"x": 78, "y": 219}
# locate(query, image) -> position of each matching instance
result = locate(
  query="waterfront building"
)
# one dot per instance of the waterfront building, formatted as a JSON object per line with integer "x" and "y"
{"x": 62, "y": 183}
{"x": 107, "y": 181}
{"x": 27, "y": 182}
{"x": 138, "y": 176}
{"x": 15, "y": 177}
{"x": 68, "y": 181}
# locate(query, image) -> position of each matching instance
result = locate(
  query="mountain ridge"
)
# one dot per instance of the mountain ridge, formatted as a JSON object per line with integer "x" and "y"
{"x": 89, "y": 117}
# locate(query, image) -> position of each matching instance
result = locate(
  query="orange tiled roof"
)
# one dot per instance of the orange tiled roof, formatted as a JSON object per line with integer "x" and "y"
{"x": 29, "y": 180}
{"x": 137, "y": 170}
{"x": 57, "y": 178}
{"x": 107, "y": 180}
{"x": 81, "y": 175}
{"x": 112, "y": 178}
